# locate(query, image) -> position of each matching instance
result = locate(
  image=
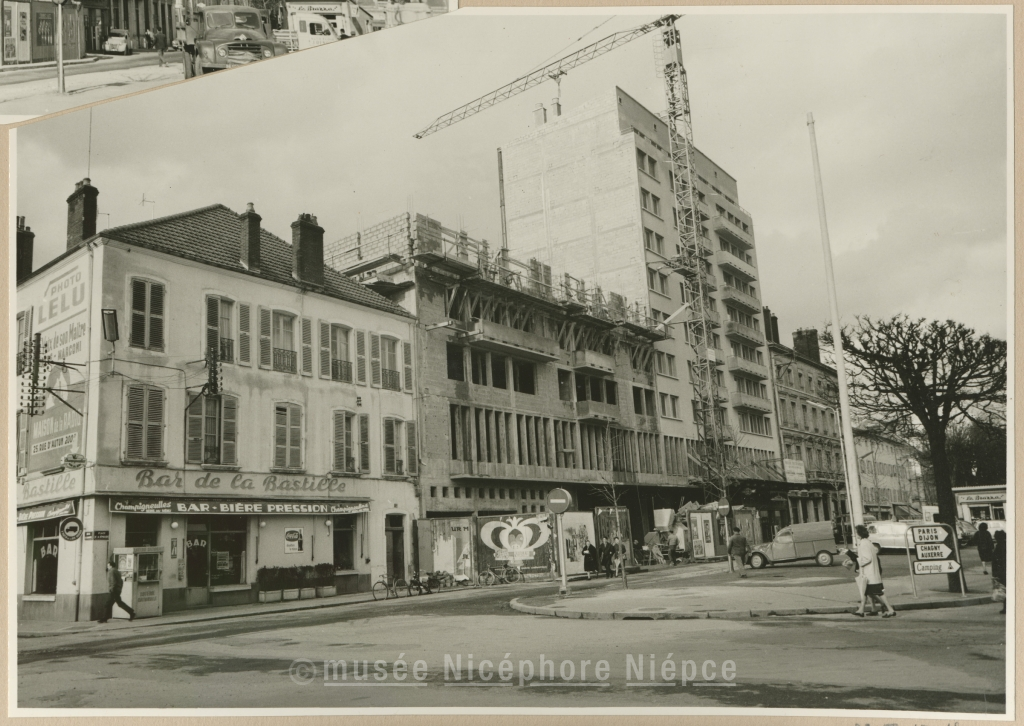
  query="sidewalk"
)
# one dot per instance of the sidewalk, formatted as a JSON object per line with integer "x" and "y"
{"x": 50, "y": 64}
{"x": 757, "y": 596}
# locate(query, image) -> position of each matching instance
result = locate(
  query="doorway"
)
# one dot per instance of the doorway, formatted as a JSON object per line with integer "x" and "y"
{"x": 394, "y": 540}
{"x": 197, "y": 563}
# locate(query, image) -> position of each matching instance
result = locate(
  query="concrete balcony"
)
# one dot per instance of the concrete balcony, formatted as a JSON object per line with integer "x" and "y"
{"x": 587, "y": 361}
{"x": 753, "y": 403}
{"x": 712, "y": 354}
{"x": 733, "y": 264}
{"x": 502, "y": 339}
{"x": 714, "y": 318}
{"x": 744, "y": 300}
{"x": 741, "y": 365}
{"x": 743, "y": 333}
{"x": 596, "y": 411}
{"x": 732, "y": 232}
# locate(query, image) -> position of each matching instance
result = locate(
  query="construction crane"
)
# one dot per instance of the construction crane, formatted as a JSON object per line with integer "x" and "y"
{"x": 691, "y": 263}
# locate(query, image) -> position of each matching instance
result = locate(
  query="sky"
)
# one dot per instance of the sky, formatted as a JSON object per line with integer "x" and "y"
{"x": 911, "y": 121}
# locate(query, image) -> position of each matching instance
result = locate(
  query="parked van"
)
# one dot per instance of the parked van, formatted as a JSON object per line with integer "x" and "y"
{"x": 807, "y": 541}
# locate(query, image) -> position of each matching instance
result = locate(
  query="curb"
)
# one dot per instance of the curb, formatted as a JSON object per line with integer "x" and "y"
{"x": 49, "y": 64}
{"x": 736, "y": 614}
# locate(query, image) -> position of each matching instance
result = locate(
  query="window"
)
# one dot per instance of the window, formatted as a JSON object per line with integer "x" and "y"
{"x": 24, "y": 333}
{"x": 611, "y": 392}
{"x": 228, "y": 536}
{"x": 649, "y": 406}
{"x": 141, "y": 530}
{"x": 287, "y": 436}
{"x": 391, "y": 379}
{"x": 654, "y": 242}
{"x": 641, "y": 160}
{"x": 212, "y": 430}
{"x": 499, "y": 377}
{"x": 45, "y": 547}
{"x": 219, "y": 327}
{"x": 401, "y": 454}
{"x": 344, "y": 452}
{"x": 652, "y": 167}
{"x": 523, "y": 377}
{"x": 344, "y": 536}
{"x": 337, "y": 351}
{"x": 652, "y": 279}
{"x": 655, "y": 205}
{"x": 638, "y": 400}
{"x": 147, "y": 326}
{"x": 144, "y": 436}
{"x": 596, "y": 389}
{"x": 674, "y": 406}
{"x": 479, "y": 363}
{"x": 645, "y": 200}
{"x": 283, "y": 342}
{"x": 664, "y": 403}
{"x": 564, "y": 385}
{"x": 456, "y": 363}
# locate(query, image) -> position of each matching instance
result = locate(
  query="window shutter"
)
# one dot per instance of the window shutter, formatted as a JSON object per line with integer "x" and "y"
{"x": 194, "y": 430}
{"x": 411, "y": 450}
{"x": 364, "y": 443}
{"x": 266, "y": 355}
{"x": 229, "y": 431}
{"x": 213, "y": 325}
{"x": 389, "y": 446}
{"x": 407, "y": 360}
{"x": 281, "y": 436}
{"x": 137, "y": 336}
{"x": 134, "y": 448}
{"x": 154, "y": 423}
{"x": 243, "y": 334}
{"x": 375, "y": 360}
{"x": 361, "y": 357}
{"x": 156, "y": 316}
{"x": 325, "y": 350}
{"x": 350, "y": 461}
{"x": 294, "y": 437}
{"x": 307, "y": 347}
{"x": 339, "y": 441}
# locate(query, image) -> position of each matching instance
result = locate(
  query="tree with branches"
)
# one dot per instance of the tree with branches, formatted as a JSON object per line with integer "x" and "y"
{"x": 918, "y": 378}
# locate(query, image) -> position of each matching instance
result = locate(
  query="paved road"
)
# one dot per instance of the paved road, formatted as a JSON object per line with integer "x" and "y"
{"x": 942, "y": 660}
{"x": 8, "y": 78}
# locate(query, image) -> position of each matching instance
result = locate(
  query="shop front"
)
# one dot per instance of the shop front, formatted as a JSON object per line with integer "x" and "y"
{"x": 981, "y": 504}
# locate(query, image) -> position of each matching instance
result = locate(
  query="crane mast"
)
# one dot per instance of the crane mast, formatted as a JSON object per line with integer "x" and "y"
{"x": 691, "y": 263}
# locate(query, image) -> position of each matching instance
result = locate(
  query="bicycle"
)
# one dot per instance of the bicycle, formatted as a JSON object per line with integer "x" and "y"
{"x": 385, "y": 588}
{"x": 427, "y": 585}
{"x": 502, "y": 574}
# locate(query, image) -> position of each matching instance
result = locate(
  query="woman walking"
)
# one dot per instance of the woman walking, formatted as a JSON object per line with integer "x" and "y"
{"x": 870, "y": 570}
{"x": 999, "y": 566}
{"x": 590, "y": 559}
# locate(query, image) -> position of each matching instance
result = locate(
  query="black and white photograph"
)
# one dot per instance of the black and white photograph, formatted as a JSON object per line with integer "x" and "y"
{"x": 581, "y": 361}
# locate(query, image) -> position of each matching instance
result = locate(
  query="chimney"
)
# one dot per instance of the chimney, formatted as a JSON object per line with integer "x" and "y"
{"x": 26, "y": 240}
{"x": 556, "y": 107}
{"x": 766, "y": 314}
{"x": 805, "y": 343}
{"x": 775, "y": 329}
{"x": 540, "y": 115}
{"x": 308, "y": 250}
{"x": 249, "y": 248}
{"x": 82, "y": 213}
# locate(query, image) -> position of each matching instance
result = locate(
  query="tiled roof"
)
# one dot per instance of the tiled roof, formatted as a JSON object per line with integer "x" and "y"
{"x": 211, "y": 235}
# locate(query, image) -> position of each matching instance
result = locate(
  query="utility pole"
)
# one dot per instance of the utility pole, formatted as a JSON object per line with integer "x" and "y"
{"x": 60, "y": 46}
{"x": 852, "y": 470}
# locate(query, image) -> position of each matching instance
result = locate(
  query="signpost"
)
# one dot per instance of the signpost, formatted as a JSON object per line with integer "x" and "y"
{"x": 558, "y": 501}
{"x": 933, "y": 553}
{"x": 71, "y": 528}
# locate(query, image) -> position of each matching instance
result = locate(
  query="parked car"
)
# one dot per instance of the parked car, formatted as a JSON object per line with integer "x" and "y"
{"x": 808, "y": 541}
{"x": 891, "y": 534}
{"x": 965, "y": 530}
{"x": 118, "y": 42}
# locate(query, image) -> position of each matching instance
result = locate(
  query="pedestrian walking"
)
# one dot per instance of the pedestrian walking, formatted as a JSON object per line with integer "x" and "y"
{"x": 871, "y": 571}
{"x": 114, "y": 585}
{"x": 149, "y": 38}
{"x": 160, "y": 40}
{"x": 618, "y": 556}
{"x": 590, "y": 559}
{"x": 673, "y": 545}
{"x": 999, "y": 568}
{"x": 606, "y": 557}
{"x": 983, "y": 539}
{"x": 737, "y": 550}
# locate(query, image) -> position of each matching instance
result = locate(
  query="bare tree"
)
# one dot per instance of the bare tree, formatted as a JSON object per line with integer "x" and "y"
{"x": 919, "y": 377}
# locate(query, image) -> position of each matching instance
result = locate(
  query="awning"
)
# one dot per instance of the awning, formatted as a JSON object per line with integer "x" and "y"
{"x": 236, "y": 506}
{"x": 46, "y": 511}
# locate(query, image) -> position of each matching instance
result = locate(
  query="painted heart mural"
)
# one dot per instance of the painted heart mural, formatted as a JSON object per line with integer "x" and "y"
{"x": 515, "y": 538}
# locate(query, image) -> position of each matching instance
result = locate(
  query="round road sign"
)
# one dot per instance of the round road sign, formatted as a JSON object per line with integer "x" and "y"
{"x": 71, "y": 528}
{"x": 559, "y": 501}
{"x": 724, "y": 507}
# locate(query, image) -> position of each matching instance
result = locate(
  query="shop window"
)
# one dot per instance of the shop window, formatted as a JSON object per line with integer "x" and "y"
{"x": 212, "y": 430}
{"x": 998, "y": 512}
{"x": 227, "y": 550}
{"x": 147, "y": 322}
{"x": 456, "y": 363}
{"x": 523, "y": 377}
{"x": 564, "y": 385}
{"x": 345, "y": 541}
{"x": 45, "y": 546}
{"x": 144, "y": 436}
{"x": 141, "y": 530}
{"x": 287, "y": 436}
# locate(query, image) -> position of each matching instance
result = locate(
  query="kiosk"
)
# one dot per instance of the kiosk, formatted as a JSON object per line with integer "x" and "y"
{"x": 141, "y": 569}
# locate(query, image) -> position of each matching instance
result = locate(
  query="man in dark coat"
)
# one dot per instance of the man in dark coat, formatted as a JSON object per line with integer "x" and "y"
{"x": 606, "y": 553}
{"x": 114, "y": 585}
{"x": 590, "y": 559}
{"x": 984, "y": 541}
{"x": 999, "y": 563}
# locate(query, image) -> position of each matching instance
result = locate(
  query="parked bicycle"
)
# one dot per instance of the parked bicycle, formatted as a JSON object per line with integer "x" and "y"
{"x": 386, "y": 588}
{"x": 427, "y": 585}
{"x": 501, "y": 574}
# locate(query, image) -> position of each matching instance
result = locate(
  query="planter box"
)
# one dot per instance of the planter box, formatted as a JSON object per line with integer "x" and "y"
{"x": 307, "y": 593}
{"x": 290, "y": 594}
{"x": 326, "y": 591}
{"x": 270, "y": 596}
